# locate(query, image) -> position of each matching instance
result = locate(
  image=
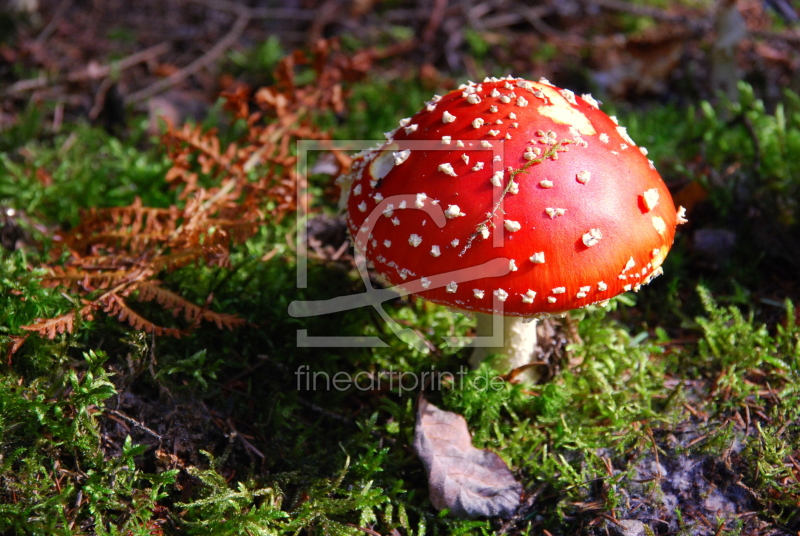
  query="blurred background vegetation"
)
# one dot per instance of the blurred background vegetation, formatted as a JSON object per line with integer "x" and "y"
{"x": 674, "y": 411}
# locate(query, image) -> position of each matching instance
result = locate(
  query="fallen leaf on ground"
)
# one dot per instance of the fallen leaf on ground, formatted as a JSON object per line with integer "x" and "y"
{"x": 470, "y": 482}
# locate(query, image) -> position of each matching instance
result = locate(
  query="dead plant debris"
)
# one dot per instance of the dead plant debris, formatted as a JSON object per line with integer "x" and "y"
{"x": 116, "y": 256}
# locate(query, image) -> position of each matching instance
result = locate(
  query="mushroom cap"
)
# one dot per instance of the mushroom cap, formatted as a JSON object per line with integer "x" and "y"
{"x": 513, "y": 197}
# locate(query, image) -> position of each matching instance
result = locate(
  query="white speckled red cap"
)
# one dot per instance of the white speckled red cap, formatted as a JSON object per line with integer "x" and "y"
{"x": 584, "y": 214}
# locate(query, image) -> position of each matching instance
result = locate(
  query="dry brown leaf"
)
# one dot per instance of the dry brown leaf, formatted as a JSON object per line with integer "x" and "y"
{"x": 470, "y": 482}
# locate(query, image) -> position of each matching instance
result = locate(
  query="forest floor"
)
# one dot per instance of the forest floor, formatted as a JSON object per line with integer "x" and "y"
{"x": 152, "y": 374}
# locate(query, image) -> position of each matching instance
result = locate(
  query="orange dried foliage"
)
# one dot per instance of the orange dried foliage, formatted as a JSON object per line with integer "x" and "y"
{"x": 118, "y": 254}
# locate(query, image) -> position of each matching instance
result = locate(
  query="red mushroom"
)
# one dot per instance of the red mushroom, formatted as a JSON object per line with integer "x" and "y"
{"x": 522, "y": 171}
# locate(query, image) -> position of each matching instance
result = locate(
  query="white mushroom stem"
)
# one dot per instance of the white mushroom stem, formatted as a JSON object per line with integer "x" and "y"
{"x": 516, "y": 346}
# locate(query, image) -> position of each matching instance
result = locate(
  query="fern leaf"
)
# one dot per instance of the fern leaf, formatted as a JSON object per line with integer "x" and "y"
{"x": 224, "y": 195}
{"x": 224, "y": 320}
{"x": 16, "y": 343}
{"x": 177, "y": 258}
{"x": 88, "y": 281}
{"x": 116, "y": 306}
{"x": 119, "y": 227}
{"x": 151, "y": 291}
{"x": 52, "y": 327}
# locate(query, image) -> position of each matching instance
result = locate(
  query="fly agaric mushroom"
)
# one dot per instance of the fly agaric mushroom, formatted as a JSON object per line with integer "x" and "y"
{"x": 522, "y": 171}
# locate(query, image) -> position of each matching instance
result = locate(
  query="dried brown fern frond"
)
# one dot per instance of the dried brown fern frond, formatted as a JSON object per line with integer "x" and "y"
{"x": 114, "y": 305}
{"x": 132, "y": 227}
{"x": 52, "y": 327}
{"x": 83, "y": 279}
{"x": 152, "y": 291}
{"x": 223, "y": 191}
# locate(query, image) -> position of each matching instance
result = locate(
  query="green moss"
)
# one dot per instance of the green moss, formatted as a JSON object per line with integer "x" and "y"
{"x": 258, "y": 452}
{"x": 53, "y": 179}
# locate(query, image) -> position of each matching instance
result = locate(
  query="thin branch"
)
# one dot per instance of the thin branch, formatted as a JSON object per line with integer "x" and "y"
{"x": 134, "y": 422}
{"x": 61, "y": 10}
{"x": 249, "y": 446}
{"x": 258, "y": 12}
{"x": 534, "y": 18}
{"x": 200, "y": 63}
{"x": 244, "y": 16}
{"x": 788, "y": 37}
{"x": 319, "y": 409}
{"x": 523, "y": 510}
{"x": 552, "y": 152}
{"x": 147, "y": 54}
{"x": 91, "y": 72}
{"x": 503, "y": 20}
{"x": 639, "y": 10}
{"x": 435, "y": 21}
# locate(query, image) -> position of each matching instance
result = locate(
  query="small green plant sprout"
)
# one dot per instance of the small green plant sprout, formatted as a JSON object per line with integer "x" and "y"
{"x": 501, "y": 199}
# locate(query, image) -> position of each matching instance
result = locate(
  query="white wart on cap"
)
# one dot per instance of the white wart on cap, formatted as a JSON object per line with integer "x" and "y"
{"x": 584, "y": 216}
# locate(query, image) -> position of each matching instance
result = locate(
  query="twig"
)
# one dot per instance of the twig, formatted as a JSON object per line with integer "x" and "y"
{"x": 534, "y": 18}
{"x": 505, "y": 19}
{"x": 51, "y": 26}
{"x": 249, "y": 446}
{"x": 147, "y": 54}
{"x": 333, "y": 415}
{"x": 91, "y": 72}
{"x": 522, "y": 511}
{"x": 502, "y": 20}
{"x": 635, "y": 9}
{"x": 100, "y": 99}
{"x": 400, "y": 16}
{"x": 777, "y": 36}
{"x": 659, "y": 474}
{"x": 552, "y": 152}
{"x": 203, "y": 61}
{"x": 134, "y": 422}
{"x": 364, "y": 529}
{"x": 14, "y": 344}
{"x": 437, "y": 15}
{"x": 27, "y": 85}
{"x": 259, "y": 12}
{"x": 611, "y": 519}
